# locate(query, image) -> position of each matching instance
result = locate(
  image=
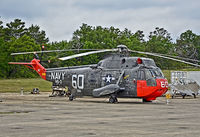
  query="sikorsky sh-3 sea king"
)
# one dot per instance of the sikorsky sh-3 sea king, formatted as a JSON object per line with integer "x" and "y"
{"x": 117, "y": 75}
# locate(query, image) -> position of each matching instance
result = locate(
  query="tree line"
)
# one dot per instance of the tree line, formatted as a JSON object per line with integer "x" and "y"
{"x": 16, "y": 37}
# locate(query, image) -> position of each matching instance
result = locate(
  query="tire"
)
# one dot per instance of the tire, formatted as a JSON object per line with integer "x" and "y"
{"x": 194, "y": 95}
{"x": 71, "y": 97}
{"x": 116, "y": 100}
{"x": 113, "y": 99}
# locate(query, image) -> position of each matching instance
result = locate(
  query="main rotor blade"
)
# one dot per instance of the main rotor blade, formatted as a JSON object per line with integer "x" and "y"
{"x": 179, "y": 57}
{"x": 87, "y": 53}
{"x": 48, "y": 51}
{"x": 157, "y": 55}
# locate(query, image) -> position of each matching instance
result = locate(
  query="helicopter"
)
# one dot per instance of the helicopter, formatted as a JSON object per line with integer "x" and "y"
{"x": 117, "y": 76}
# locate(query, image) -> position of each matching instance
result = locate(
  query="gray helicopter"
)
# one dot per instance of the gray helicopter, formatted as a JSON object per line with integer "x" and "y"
{"x": 118, "y": 75}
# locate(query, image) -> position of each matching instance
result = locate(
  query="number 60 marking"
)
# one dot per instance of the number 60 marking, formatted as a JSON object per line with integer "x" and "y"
{"x": 164, "y": 84}
{"x": 78, "y": 81}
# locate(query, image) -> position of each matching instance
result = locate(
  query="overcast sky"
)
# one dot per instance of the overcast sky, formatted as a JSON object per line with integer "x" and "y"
{"x": 60, "y": 18}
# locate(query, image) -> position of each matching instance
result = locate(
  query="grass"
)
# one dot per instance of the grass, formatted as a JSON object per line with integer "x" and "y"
{"x": 167, "y": 74}
{"x": 15, "y": 85}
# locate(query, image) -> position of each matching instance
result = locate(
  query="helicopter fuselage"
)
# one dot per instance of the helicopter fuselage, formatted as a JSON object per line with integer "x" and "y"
{"x": 118, "y": 75}
{"x": 144, "y": 80}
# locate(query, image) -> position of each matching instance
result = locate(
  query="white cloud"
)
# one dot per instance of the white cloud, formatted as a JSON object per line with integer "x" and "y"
{"x": 61, "y": 18}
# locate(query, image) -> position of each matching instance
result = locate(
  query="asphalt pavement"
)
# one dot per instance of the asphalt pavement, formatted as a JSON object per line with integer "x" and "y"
{"x": 41, "y": 116}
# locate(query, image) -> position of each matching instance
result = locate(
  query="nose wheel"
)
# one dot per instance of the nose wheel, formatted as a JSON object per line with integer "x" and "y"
{"x": 113, "y": 99}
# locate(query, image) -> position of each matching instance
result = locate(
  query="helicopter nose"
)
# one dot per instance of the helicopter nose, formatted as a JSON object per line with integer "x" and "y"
{"x": 162, "y": 86}
{"x": 163, "y": 83}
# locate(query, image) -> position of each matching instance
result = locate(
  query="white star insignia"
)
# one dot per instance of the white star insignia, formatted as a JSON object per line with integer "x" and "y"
{"x": 108, "y": 78}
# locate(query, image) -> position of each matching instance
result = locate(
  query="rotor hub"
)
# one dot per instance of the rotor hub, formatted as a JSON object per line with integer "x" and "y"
{"x": 122, "y": 48}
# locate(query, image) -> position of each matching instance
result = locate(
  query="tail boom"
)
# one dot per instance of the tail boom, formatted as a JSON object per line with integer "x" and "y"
{"x": 35, "y": 65}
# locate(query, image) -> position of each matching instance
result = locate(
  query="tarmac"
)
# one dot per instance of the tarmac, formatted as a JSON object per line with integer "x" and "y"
{"x": 41, "y": 116}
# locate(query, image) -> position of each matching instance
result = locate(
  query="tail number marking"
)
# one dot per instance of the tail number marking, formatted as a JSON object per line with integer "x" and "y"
{"x": 78, "y": 81}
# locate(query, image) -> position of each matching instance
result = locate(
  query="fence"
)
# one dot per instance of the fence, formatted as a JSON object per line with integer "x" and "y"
{"x": 184, "y": 83}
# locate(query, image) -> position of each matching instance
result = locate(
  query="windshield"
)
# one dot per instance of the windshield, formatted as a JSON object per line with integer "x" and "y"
{"x": 156, "y": 72}
{"x": 144, "y": 74}
{"x": 149, "y": 62}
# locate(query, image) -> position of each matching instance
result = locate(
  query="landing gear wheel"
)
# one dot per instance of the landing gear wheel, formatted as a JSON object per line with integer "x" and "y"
{"x": 183, "y": 96}
{"x": 113, "y": 99}
{"x": 194, "y": 95}
{"x": 116, "y": 100}
{"x": 71, "y": 97}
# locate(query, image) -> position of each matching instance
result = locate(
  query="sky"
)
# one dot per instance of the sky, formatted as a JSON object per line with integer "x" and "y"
{"x": 60, "y": 18}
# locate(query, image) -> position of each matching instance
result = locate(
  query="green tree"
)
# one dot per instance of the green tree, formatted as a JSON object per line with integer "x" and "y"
{"x": 3, "y": 58}
{"x": 160, "y": 42}
{"x": 188, "y": 45}
{"x": 39, "y": 36}
{"x": 53, "y": 57}
{"x": 89, "y": 37}
{"x": 24, "y": 43}
{"x": 1, "y": 29}
{"x": 15, "y": 37}
{"x": 15, "y": 29}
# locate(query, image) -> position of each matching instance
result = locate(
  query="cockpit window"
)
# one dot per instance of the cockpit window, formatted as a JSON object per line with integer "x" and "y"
{"x": 148, "y": 74}
{"x": 156, "y": 72}
{"x": 145, "y": 74}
